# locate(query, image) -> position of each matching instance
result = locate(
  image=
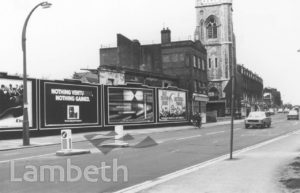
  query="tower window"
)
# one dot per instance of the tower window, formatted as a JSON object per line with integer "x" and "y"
{"x": 201, "y": 30}
{"x": 216, "y": 62}
{"x": 203, "y": 65}
{"x": 212, "y": 28}
{"x": 195, "y": 61}
{"x": 199, "y": 63}
{"x": 209, "y": 63}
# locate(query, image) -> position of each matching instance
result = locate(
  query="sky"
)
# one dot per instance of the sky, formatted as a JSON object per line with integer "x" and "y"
{"x": 67, "y": 37}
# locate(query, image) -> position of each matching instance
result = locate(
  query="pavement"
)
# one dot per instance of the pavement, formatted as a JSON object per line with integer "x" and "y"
{"x": 256, "y": 169}
{"x": 11, "y": 144}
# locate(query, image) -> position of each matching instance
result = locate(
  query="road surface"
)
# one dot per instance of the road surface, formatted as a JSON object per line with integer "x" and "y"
{"x": 107, "y": 170}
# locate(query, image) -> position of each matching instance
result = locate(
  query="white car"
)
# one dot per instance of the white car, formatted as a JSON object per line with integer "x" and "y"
{"x": 280, "y": 111}
{"x": 293, "y": 114}
{"x": 286, "y": 110}
{"x": 258, "y": 119}
{"x": 271, "y": 111}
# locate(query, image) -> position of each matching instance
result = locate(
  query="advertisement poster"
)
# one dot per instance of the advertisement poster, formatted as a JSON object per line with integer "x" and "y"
{"x": 70, "y": 104}
{"x": 172, "y": 105}
{"x": 11, "y": 103}
{"x": 130, "y": 105}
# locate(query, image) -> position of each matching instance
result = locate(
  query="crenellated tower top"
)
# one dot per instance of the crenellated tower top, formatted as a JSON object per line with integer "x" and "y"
{"x": 212, "y": 2}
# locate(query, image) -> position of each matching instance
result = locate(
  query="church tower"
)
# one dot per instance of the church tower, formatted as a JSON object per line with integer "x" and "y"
{"x": 214, "y": 28}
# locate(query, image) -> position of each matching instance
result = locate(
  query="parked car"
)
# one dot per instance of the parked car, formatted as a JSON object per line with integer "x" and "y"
{"x": 280, "y": 111}
{"x": 293, "y": 114}
{"x": 296, "y": 109}
{"x": 286, "y": 110}
{"x": 271, "y": 111}
{"x": 258, "y": 119}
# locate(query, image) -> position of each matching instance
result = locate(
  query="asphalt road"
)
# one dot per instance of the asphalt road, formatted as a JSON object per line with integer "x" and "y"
{"x": 148, "y": 157}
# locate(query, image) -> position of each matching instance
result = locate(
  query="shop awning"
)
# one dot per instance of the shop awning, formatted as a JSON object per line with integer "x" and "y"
{"x": 219, "y": 101}
{"x": 200, "y": 97}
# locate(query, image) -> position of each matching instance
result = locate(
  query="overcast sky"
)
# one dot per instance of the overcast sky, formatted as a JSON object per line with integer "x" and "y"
{"x": 67, "y": 37}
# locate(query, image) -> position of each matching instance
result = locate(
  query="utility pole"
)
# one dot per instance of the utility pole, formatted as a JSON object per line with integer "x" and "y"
{"x": 232, "y": 107}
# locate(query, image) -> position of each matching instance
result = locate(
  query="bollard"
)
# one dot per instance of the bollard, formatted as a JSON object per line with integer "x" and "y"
{"x": 66, "y": 145}
{"x": 118, "y": 138}
{"x": 119, "y": 130}
{"x": 66, "y": 140}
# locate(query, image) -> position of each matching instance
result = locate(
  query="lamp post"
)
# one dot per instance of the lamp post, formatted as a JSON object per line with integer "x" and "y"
{"x": 25, "y": 101}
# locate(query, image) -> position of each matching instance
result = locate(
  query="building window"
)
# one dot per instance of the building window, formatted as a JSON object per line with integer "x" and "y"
{"x": 174, "y": 57}
{"x": 194, "y": 61}
{"x": 188, "y": 60}
{"x": 199, "y": 63}
{"x": 216, "y": 62}
{"x": 165, "y": 84}
{"x": 213, "y": 94}
{"x": 203, "y": 65}
{"x": 110, "y": 81}
{"x": 181, "y": 57}
{"x": 209, "y": 63}
{"x": 166, "y": 58}
{"x": 195, "y": 86}
{"x": 212, "y": 28}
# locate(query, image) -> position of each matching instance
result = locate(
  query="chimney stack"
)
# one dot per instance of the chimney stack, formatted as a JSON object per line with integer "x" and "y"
{"x": 165, "y": 36}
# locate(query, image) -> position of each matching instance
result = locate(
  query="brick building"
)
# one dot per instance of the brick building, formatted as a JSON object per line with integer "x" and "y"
{"x": 248, "y": 91}
{"x": 272, "y": 98}
{"x": 184, "y": 61}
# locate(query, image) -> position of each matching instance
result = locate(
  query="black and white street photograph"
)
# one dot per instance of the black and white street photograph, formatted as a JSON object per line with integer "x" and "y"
{"x": 149, "y": 96}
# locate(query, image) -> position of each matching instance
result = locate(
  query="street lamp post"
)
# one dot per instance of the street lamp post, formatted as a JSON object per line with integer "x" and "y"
{"x": 25, "y": 101}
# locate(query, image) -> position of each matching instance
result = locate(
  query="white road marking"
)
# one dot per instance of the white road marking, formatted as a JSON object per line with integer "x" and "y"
{"x": 297, "y": 132}
{"x": 213, "y": 133}
{"x": 165, "y": 178}
{"x": 176, "y": 139}
{"x": 190, "y": 137}
{"x": 11, "y": 153}
{"x": 278, "y": 121}
{"x": 93, "y": 150}
{"x": 25, "y": 158}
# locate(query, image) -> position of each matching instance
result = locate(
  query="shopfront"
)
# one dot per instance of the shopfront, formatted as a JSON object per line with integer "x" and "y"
{"x": 199, "y": 103}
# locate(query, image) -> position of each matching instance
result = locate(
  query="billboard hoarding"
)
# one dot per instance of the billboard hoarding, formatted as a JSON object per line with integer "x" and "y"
{"x": 11, "y": 103}
{"x": 172, "y": 105}
{"x": 127, "y": 105}
{"x": 69, "y": 104}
